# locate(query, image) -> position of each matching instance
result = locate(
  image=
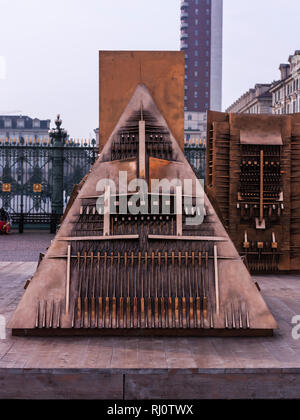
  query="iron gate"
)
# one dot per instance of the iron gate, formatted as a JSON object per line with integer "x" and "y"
{"x": 26, "y": 172}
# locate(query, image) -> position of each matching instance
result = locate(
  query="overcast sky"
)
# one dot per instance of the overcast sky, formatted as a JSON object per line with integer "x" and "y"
{"x": 50, "y": 49}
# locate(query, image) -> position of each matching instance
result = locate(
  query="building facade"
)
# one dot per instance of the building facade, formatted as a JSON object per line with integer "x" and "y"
{"x": 201, "y": 40}
{"x": 194, "y": 127}
{"x": 256, "y": 101}
{"x": 279, "y": 97}
{"x": 17, "y": 126}
{"x": 286, "y": 93}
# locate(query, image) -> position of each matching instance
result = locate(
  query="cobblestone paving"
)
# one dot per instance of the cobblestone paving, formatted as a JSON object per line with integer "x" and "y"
{"x": 25, "y": 246}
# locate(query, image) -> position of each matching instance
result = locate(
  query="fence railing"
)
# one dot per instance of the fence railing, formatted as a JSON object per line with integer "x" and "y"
{"x": 26, "y": 174}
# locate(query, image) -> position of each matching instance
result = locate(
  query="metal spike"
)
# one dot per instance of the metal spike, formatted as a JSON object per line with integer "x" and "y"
{"x": 37, "y": 315}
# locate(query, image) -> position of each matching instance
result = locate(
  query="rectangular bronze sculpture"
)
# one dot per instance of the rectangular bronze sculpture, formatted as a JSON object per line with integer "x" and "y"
{"x": 253, "y": 166}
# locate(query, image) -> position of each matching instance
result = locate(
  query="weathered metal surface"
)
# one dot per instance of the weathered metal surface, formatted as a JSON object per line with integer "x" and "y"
{"x": 129, "y": 286}
{"x": 161, "y": 71}
{"x": 254, "y": 185}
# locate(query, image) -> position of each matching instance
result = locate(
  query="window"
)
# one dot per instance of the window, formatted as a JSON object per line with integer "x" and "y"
{"x": 206, "y": 94}
{"x": 195, "y": 84}
{"x": 196, "y": 32}
{"x": 7, "y": 123}
{"x": 206, "y": 105}
{"x": 196, "y": 42}
{"x": 189, "y": 117}
{"x": 207, "y": 43}
{"x": 20, "y": 123}
{"x": 195, "y": 105}
{"x": 185, "y": 87}
{"x": 195, "y": 94}
{"x": 196, "y": 73}
{"x": 196, "y": 63}
{"x": 196, "y": 11}
{"x": 196, "y": 21}
{"x": 207, "y": 32}
{"x": 196, "y": 1}
{"x": 206, "y": 84}
{"x": 206, "y": 63}
{"x": 196, "y": 53}
{"x": 207, "y": 22}
{"x": 206, "y": 74}
{"x": 206, "y": 53}
{"x": 36, "y": 123}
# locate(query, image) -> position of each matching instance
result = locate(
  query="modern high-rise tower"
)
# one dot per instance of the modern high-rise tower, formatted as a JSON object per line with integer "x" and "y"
{"x": 201, "y": 39}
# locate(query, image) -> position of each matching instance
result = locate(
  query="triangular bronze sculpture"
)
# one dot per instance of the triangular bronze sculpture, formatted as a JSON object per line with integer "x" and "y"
{"x": 116, "y": 272}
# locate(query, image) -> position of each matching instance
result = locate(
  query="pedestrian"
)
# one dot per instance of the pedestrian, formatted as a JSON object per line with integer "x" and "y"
{"x": 5, "y": 221}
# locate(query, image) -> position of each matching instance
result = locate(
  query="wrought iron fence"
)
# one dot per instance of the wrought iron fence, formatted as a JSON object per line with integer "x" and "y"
{"x": 195, "y": 152}
{"x": 26, "y": 173}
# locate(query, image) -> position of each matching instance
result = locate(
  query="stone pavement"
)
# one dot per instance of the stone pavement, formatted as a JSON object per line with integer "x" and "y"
{"x": 161, "y": 367}
{"x": 24, "y": 246}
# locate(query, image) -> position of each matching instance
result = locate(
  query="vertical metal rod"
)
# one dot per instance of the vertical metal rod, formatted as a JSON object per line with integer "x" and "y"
{"x": 93, "y": 300}
{"x": 123, "y": 273}
{"x": 135, "y": 308}
{"x": 192, "y": 323}
{"x": 198, "y": 299}
{"x": 128, "y": 311}
{"x": 170, "y": 314}
{"x": 162, "y": 299}
{"x": 176, "y": 303}
{"x": 156, "y": 314}
{"x": 142, "y": 149}
{"x": 37, "y": 315}
{"x": 86, "y": 299}
{"x": 142, "y": 293}
{"x": 106, "y": 217}
{"x": 107, "y": 299}
{"x": 58, "y": 316}
{"x": 216, "y": 280}
{"x": 51, "y": 314}
{"x": 179, "y": 211}
{"x": 114, "y": 300}
{"x": 183, "y": 298}
{"x": 79, "y": 288}
{"x": 149, "y": 303}
{"x": 261, "y": 201}
{"x": 68, "y": 279}
{"x": 100, "y": 298}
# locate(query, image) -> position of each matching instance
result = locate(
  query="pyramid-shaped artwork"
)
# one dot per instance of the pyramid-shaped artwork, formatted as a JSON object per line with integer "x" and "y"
{"x": 141, "y": 250}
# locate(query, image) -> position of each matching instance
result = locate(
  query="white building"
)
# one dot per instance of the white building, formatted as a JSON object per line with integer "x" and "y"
{"x": 255, "y": 101}
{"x": 195, "y": 128}
{"x": 286, "y": 93}
{"x": 17, "y": 126}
